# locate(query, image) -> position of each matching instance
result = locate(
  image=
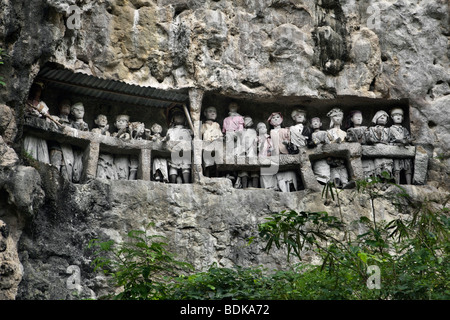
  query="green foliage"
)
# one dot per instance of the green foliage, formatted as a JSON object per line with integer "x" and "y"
{"x": 303, "y": 282}
{"x": 412, "y": 254}
{"x": 297, "y": 230}
{"x": 420, "y": 266}
{"x": 244, "y": 284}
{"x": 28, "y": 157}
{"x": 142, "y": 265}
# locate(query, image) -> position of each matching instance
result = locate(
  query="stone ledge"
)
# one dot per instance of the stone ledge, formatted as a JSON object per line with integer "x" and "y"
{"x": 377, "y": 151}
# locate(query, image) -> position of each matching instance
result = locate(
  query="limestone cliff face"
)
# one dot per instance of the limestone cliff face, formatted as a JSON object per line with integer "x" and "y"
{"x": 265, "y": 48}
{"x": 262, "y": 49}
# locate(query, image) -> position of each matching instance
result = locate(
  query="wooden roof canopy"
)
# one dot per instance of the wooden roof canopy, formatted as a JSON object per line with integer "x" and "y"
{"x": 112, "y": 90}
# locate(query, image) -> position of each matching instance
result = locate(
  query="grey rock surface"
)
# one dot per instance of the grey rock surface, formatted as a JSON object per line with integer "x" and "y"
{"x": 255, "y": 49}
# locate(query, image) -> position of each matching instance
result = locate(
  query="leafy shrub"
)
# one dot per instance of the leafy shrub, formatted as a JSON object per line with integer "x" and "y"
{"x": 222, "y": 283}
{"x": 142, "y": 265}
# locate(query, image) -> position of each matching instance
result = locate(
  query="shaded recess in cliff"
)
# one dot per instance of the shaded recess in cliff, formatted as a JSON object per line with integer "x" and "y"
{"x": 260, "y": 108}
{"x": 63, "y": 80}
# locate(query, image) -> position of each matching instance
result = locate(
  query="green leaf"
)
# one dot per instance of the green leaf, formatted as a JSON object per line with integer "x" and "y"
{"x": 146, "y": 272}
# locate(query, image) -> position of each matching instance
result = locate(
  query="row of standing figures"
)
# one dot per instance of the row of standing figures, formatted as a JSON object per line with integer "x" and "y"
{"x": 237, "y": 129}
{"x": 289, "y": 140}
{"x": 69, "y": 159}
